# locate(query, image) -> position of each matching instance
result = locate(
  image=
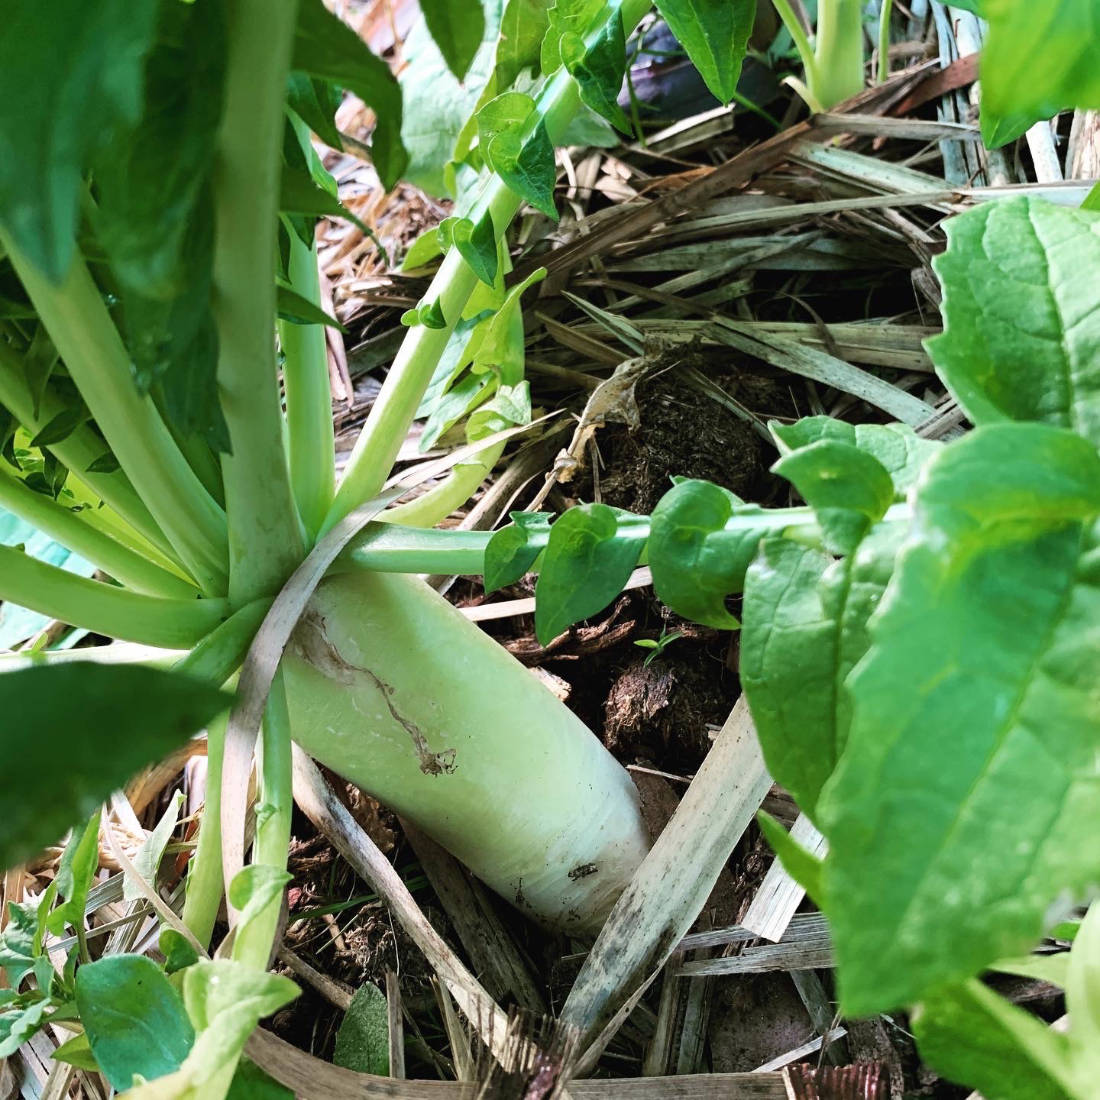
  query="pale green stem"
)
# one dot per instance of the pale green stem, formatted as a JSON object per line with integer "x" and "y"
{"x": 308, "y": 397}
{"x": 839, "y": 50}
{"x": 92, "y": 350}
{"x": 451, "y": 493}
{"x": 394, "y": 548}
{"x": 69, "y": 528}
{"x": 94, "y": 605}
{"x": 393, "y": 410}
{"x": 219, "y": 654}
{"x": 256, "y": 938}
{"x": 77, "y": 451}
{"x": 884, "y": 40}
{"x": 800, "y": 39}
{"x": 204, "y": 873}
{"x": 265, "y": 541}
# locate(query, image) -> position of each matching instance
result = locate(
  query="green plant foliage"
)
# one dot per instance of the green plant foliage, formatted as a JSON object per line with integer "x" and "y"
{"x": 512, "y": 551}
{"x": 79, "y": 863}
{"x": 65, "y": 95}
{"x": 1021, "y": 324}
{"x": 329, "y": 50}
{"x": 315, "y": 103}
{"x": 696, "y": 561}
{"x": 457, "y": 27}
{"x": 526, "y": 164}
{"x": 715, "y": 34}
{"x": 523, "y": 26}
{"x": 848, "y": 489}
{"x": 978, "y": 658}
{"x": 362, "y": 1043}
{"x": 135, "y": 1021}
{"x": 251, "y": 1083}
{"x": 599, "y": 70}
{"x": 1054, "y": 43}
{"x": 589, "y": 557}
{"x": 104, "y": 721}
{"x": 476, "y": 244}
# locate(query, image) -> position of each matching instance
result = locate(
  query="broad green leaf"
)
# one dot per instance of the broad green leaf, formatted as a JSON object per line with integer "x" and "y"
{"x": 977, "y": 1038}
{"x": 506, "y": 113}
{"x": 19, "y": 1020}
{"x": 79, "y": 863}
{"x": 900, "y": 450}
{"x": 599, "y": 72}
{"x": 1054, "y": 43}
{"x": 104, "y": 721}
{"x": 512, "y": 550}
{"x": 149, "y": 855}
{"x": 523, "y": 26}
{"x": 715, "y": 34}
{"x": 134, "y": 1019}
{"x": 499, "y": 347}
{"x": 154, "y": 217}
{"x": 510, "y": 405}
{"x": 363, "y": 1041}
{"x": 71, "y": 74}
{"x": 18, "y": 949}
{"x": 998, "y": 130}
{"x": 457, "y": 27}
{"x": 438, "y": 107}
{"x": 1021, "y": 314}
{"x": 848, "y": 489}
{"x": 570, "y": 20}
{"x": 589, "y": 557}
{"x": 178, "y": 951}
{"x": 328, "y": 49}
{"x": 955, "y": 814}
{"x": 696, "y": 561}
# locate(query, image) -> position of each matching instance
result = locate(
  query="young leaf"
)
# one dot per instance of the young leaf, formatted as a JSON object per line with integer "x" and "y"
{"x": 955, "y": 814}
{"x": 522, "y": 29}
{"x": 526, "y": 166}
{"x": 512, "y": 550}
{"x": 804, "y": 868}
{"x": 696, "y": 562}
{"x": 79, "y": 863}
{"x": 149, "y": 855}
{"x": 301, "y": 311}
{"x": 20, "y": 1019}
{"x": 457, "y": 27}
{"x": 975, "y": 1037}
{"x": 252, "y": 1083}
{"x": 848, "y": 489}
{"x": 315, "y": 103}
{"x": 477, "y": 245}
{"x": 715, "y": 34}
{"x": 327, "y": 49}
{"x": 1021, "y": 319}
{"x": 134, "y": 1019}
{"x": 18, "y": 947}
{"x": 77, "y": 1051}
{"x": 104, "y": 721}
{"x": 64, "y": 95}
{"x": 569, "y": 20}
{"x": 362, "y": 1043}
{"x": 178, "y": 951}
{"x": 805, "y": 629}
{"x": 589, "y": 557}
{"x": 599, "y": 72}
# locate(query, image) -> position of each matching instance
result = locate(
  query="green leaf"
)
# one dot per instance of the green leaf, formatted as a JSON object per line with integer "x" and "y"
{"x": 104, "y": 721}
{"x": 522, "y": 29}
{"x": 1083, "y": 1002}
{"x": 252, "y": 1083}
{"x": 20, "y": 1020}
{"x": 1054, "y": 43}
{"x": 974, "y": 1037}
{"x": 955, "y": 814}
{"x": 315, "y": 103}
{"x": 715, "y": 34}
{"x": 569, "y": 20}
{"x": 79, "y": 863}
{"x": 134, "y": 1019}
{"x": 457, "y": 27}
{"x": 362, "y": 1043}
{"x": 1021, "y": 317}
{"x": 477, "y": 245}
{"x": 149, "y": 855}
{"x": 77, "y": 1051}
{"x": 999, "y": 130}
{"x": 590, "y": 554}
{"x": 900, "y": 450}
{"x": 599, "y": 72}
{"x": 527, "y": 167}
{"x": 422, "y": 251}
{"x": 510, "y": 405}
{"x": 696, "y": 561}
{"x": 327, "y": 49}
{"x": 301, "y": 311}
{"x": 512, "y": 550}
{"x": 60, "y": 426}
{"x": 71, "y": 74}
{"x": 253, "y": 890}
{"x": 18, "y": 949}
{"x": 299, "y": 194}
{"x": 178, "y": 951}
{"x": 848, "y": 489}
